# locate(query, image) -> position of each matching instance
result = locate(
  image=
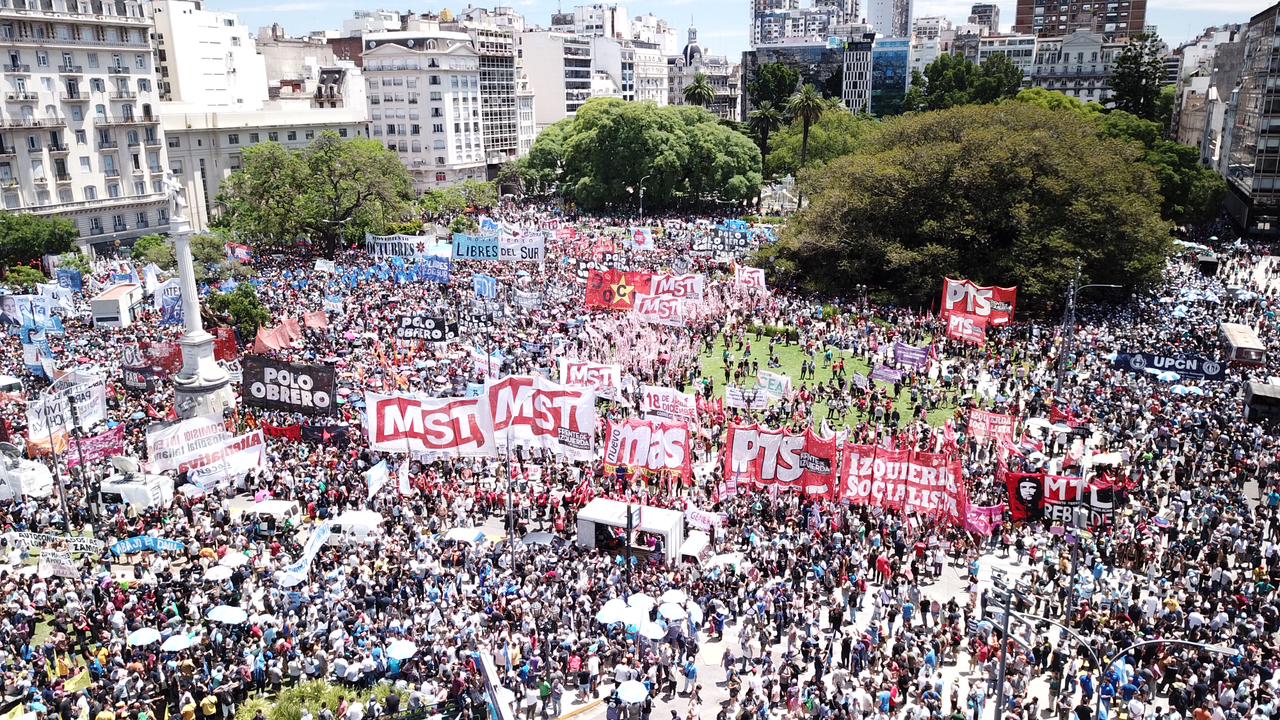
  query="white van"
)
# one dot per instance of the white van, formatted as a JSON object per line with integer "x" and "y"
{"x": 355, "y": 526}
{"x": 268, "y": 516}
{"x": 140, "y": 491}
{"x": 20, "y": 478}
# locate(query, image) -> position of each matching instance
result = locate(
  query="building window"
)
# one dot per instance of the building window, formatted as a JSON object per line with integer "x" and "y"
{"x": 90, "y": 192}
{"x": 143, "y": 219}
{"x": 293, "y": 134}
{"x": 437, "y": 128}
{"x": 342, "y": 132}
{"x": 174, "y": 141}
{"x": 95, "y": 223}
{"x": 441, "y": 177}
{"x": 233, "y": 138}
{"x": 435, "y": 80}
{"x": 311, "y": 135}
{"x": 273, "y": 136}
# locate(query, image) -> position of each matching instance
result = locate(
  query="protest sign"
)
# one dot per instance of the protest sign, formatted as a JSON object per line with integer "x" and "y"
{"x": 96, "y": 448}
{"x": 278, "y": 385}
{"x": 910, "y": 482}
{"x": 755, "y": 398}
{"x": 667, "y": 403}
{"x": 422, "y": 327}
{"x": 985, "y": 425}
{"x": 992, "y": 304}
{"x": 146, "y": 543}
{"x": 404, "y": 246}
{"x": 584, "y": 373}
{"x": 1191, "y": 367}
{"x": 167, "y": 444}
{"x": 660, "y": 310}
{"x": 967, "y": 327}
{"x": 657, "y": 446}
{"x": 768, "y": 458}
{"x": 911, "y": 357}
{"x": 476, "y": 247}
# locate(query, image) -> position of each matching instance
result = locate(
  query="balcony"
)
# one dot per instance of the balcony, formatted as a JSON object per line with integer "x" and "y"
{"x": 68, "y": 42}
{"x": 108, "y": 144}
{"x": 127, "y": 120}
{"x": 9, "y": 182}
{"x": 25, "y": 96}
{"x": 62, "y": 177}
{"x": 124, "y": 95}
{"x": 8, "y": 151}
{"x": 151, "y": 142}
{"x": 58, "y": 149}
{"x": 117, "y": 70}
{"x": 74, "y": 97}
{"x": 17, "y": 68}
{"x": 111, "y": 172}
{"x": 157, "y": 169}
{"x": 71, "y": 69}
{"x": 39, "y": 180}
{"x": 96, "y": 230}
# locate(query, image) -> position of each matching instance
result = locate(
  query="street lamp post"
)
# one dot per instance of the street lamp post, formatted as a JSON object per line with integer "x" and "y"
{"x": 1069, "y": 326}
{"x": 1102, "y": 668}
{"x": 646, "y": 177}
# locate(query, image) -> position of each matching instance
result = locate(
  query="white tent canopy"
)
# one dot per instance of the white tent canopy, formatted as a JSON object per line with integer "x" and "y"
{"x": 667, "y": 523}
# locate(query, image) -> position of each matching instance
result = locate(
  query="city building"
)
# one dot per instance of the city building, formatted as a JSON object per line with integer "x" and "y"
{"x": 218, "y": 65}
{"x": 725, "y": 78}
{"x": 424, "y": 101}
{"x": 986, "y": 15}
{"x": 80, "y": 133}
{"x": 856, "y": 73}
{"x": 1079, "y": 65}
{"x": 890, "y": 74}
{"x": 1113, "y": 20}
{"x": 923, "y": 52}
{"x": 599, "y": 20}
{"x": 654, "y": 32}
{"x": 1020, "y": 49}
{"x": 651, "y": 73}
{"x": 930, "y": 27}
{"x": 890, "y": 18}
{"x": 815, "y": 23}
{"x": 1253, "y": 163}
{"x": 558, "y": 68}
{"x": 501, "y": 96}
{"x": 305, "y": 70}
{"x": 821, "y": 64}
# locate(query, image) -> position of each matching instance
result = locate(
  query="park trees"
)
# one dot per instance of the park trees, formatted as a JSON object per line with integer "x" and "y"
{"x": 24, "y": 238}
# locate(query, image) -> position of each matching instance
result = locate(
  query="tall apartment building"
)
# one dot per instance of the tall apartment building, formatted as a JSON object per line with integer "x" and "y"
{"x": 986, "y": 15}
{"x": 654, "y": 32}
{"x": 1252, "y": 167}
{"x": 500, "y": 95}
{"x": 1019, "y": 49}
{"x": 559, "y": 68}
{"x": 725, "y": 78}
{"x": 930, "y": 27}
{"x": 424, "y": 101}
{"x": 890, "y": 18}
{"x": 856, "y": 73}
{"x": 80, "y": 136}
{"x": 1079, "y": 65}
{"x": 1115, "y": 20}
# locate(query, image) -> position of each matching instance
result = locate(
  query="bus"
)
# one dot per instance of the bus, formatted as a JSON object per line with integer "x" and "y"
{"x": 1242, "y": 344}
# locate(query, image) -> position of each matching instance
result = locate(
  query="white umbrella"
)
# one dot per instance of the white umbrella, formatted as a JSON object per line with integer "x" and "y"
{"x": 218, "y": 573}
{"x": 653, "y": 631}
{"x": 178, "y": 643}
{"x": 674, "y": 596}
{"x": 642, "y": 601}
{"x": 633, "y": 618}
{"x": 1037, "y": 422}
{"x": 616, "y": 605}
{"x": 695, "y": 612}
{"x": 401, "y": 650}
{"x": 228, "y": 615}
{"x": 234, "y": 559}
{"x": 539, "y": 538}
{"x": 466, "y": 535}
{"x": 632, "y": 691}
{"x": 144, "y": 636}
{"x": 1060, "y": 428}
{"x": 610, "y": 615}
{"x": 729, "y": 559}
{"x": 672, "y": 611}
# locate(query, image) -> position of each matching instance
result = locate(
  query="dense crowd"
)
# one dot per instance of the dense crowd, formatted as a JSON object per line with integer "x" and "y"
{"x": 819, "y": 609}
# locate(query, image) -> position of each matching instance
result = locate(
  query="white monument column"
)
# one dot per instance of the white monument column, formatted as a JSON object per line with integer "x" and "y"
{"x": 201, "y": 388}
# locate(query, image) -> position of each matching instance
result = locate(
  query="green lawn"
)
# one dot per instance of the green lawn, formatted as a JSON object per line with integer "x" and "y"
{"x": 791, "y": 356}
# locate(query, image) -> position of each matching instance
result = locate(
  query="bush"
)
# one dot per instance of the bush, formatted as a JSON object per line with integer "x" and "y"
{"x": 786, "y": 333}
{"x": 23, "y": 278}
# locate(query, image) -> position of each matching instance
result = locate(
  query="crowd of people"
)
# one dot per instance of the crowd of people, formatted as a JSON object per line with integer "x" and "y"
{"x": 818, "y": 609}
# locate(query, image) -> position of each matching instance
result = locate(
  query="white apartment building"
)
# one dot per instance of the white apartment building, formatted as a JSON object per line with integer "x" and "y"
{"x": 1079, "y": 65}
{"x": 558, "y": 67}
{"x": 930, "y": 27}
{"x": 651, "y": 74}
{"x": 855, "y": 86}
{"x": 424, "y": 102}
{"x": 815, "y": 23}
{"x": 890, "y": 18}
{"x": 80, "y": 135}
{"x": 601, "y": 20}
{"x": 205, "y": 57}
{"x": 923, "y": 52}
{"x": 500, "y": 81}
{"x": 653, "y": 31}
{"x": 370, "y": 21}
{"x": 1020, "y": 49}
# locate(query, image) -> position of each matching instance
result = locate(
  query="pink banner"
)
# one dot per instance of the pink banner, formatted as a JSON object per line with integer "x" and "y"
{"x": 986, "y": 425}
{"x": 98, "y": 447}
{"x": 924, "y": 483}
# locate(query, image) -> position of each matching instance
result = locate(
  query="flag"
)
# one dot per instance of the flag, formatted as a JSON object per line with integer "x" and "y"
{"x": 485, "y": 286}
{"x": 326, "y": 434}
{"x": 80, "y": 681}
{"x": 316, "y": 320}
{"x": 377, "y": 477}
{"x": 403, "y": 478}
{"x": 240, "y": 253}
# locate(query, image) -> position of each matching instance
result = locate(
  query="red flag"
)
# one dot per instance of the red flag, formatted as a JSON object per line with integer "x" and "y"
{"x": 616, "y": 290}
{"x": 316, "y": 320}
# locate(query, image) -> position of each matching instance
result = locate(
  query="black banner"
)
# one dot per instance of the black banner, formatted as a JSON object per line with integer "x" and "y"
{"x": 1193, "y": 367}
{"x": 326, "y": 434}
{"x": 721, "y": 241}
{"x": 140, "y": 378}
{"x": 277, "y": 385}
{"x": 422, "y": 327}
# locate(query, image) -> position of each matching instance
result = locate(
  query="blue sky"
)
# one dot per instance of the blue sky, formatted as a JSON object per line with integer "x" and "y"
{"x": 722, "y": 24}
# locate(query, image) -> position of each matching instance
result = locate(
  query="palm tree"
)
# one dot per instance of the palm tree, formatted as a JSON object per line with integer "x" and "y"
{"x": 699, "y": 92}
{"x": 806, "y": 105}
{"x": 763, "y": 121}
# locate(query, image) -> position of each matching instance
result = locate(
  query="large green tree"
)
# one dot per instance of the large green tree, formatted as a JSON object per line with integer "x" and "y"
{"x": 24, "y": 238}
{"x": 763, "y": 121}
{"x": 241, "y": 308}
{"x": 1010, "y": 194}
{"x": 699, "y": 92}
{"x": 330, "y": 190}
{"x": 773, "y": 83}
{"x": 837, "y": 132}
{"x": 1137, "y": 76}
{"x": 679, "y": 155}
{"x": 952, "y": 80}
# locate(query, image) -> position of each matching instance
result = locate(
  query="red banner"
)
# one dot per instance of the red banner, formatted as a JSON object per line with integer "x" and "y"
{"x": 985, "y": 425}
{"x": 924, "y": 483}
{"x": 225, "y": 347}
{"x": 98, "y": 447}
{"x": 616, "y": 290}
{"x": 660, "y": 446}
{"x": 1037, "y": 496}
{"x": 966, "y": 327}
{"x": 775, "y": 458}
{"x": 990, "y": 303}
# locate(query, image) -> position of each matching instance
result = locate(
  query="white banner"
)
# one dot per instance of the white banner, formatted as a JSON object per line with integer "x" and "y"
{"x": 776, "y": 384}
{"x": 684, "y": 287}
{"x": 53, "y": 412}
{"x": 298, "y": 571}
{"x": 523, "y": 411}
{"x": 667, "y": 403}
{"x": 584, "y": 373}
{"x": 26, "y": 540}
{"x": 57, "y": 563}
{"x": 660, "y": 310}
{"x": 749, "y": 277}
{"x": 525, "y": 247}
{"x": 168, "y": 445}
{"x": 249, "y": 453}
{"x": 756, "y": 398}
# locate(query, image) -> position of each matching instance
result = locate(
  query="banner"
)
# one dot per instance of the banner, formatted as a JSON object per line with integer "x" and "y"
{"x": 684, "y": 287}
{"x": 56, "y": 563}
{"x": 278, "y": 385}
{"x": 584, "y": 373}
{"x": 28, "y": 540}
{"x": 776, "y": 384}
{"x": 909, "y": 482}
{"x": 525, "y": 247}
{"x": 146, "y": 543}
{"x": 908, "y": 356}
{"x": 215, "y": 466}
{"x": 484, "y": 286}
{"x": 436, "y": 269}
{"x": 985, "y": 425}
{"x": 1039, "y": 496}
{"x": 966, "y": 327}
{"x": 168, "y": 300}
{"x": 641, "y": 238}
{"x": 98, "y": 447}
{"x": 519, "y": 411}
{"x": 171, "y": 443}
{"x": 724, "y": 241}
{"x": 297, "y": 571}
{"x": 326, "y": 266}
{"x": 1191, "y": 367}
{"x": 528, "y": 300}
{"x": 660, "y": 310}
{"x": 993, "y": 304}
{"x": 749, "y": 277}
{"x": 405, "y": 246}
{"x": 983, "y": 518}
{"x": 776, "y": 458}
{"x": 667, "y": 403}
{"x": 615, "y": 290}
{"x": 421, "y": 327}
{"x": 476, "y": 247}
{"x": 70, "y": 279}
{"x": 657, "y": 446}
{"x": 756, "y": 398}
{"x": 81, "y": 403}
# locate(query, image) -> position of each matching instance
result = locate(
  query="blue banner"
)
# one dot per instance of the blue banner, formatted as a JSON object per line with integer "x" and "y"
{"x": 143, "y": 543}
{"x": 734, "y": 225}
{"x": 70, "y": 279}
{"x": 474, "y": 390}
{"x": 171, "y": 310}
{"x": 476, "y": 247}
{"x": 436, "y": 270}
{"x": 485, "y": 286}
